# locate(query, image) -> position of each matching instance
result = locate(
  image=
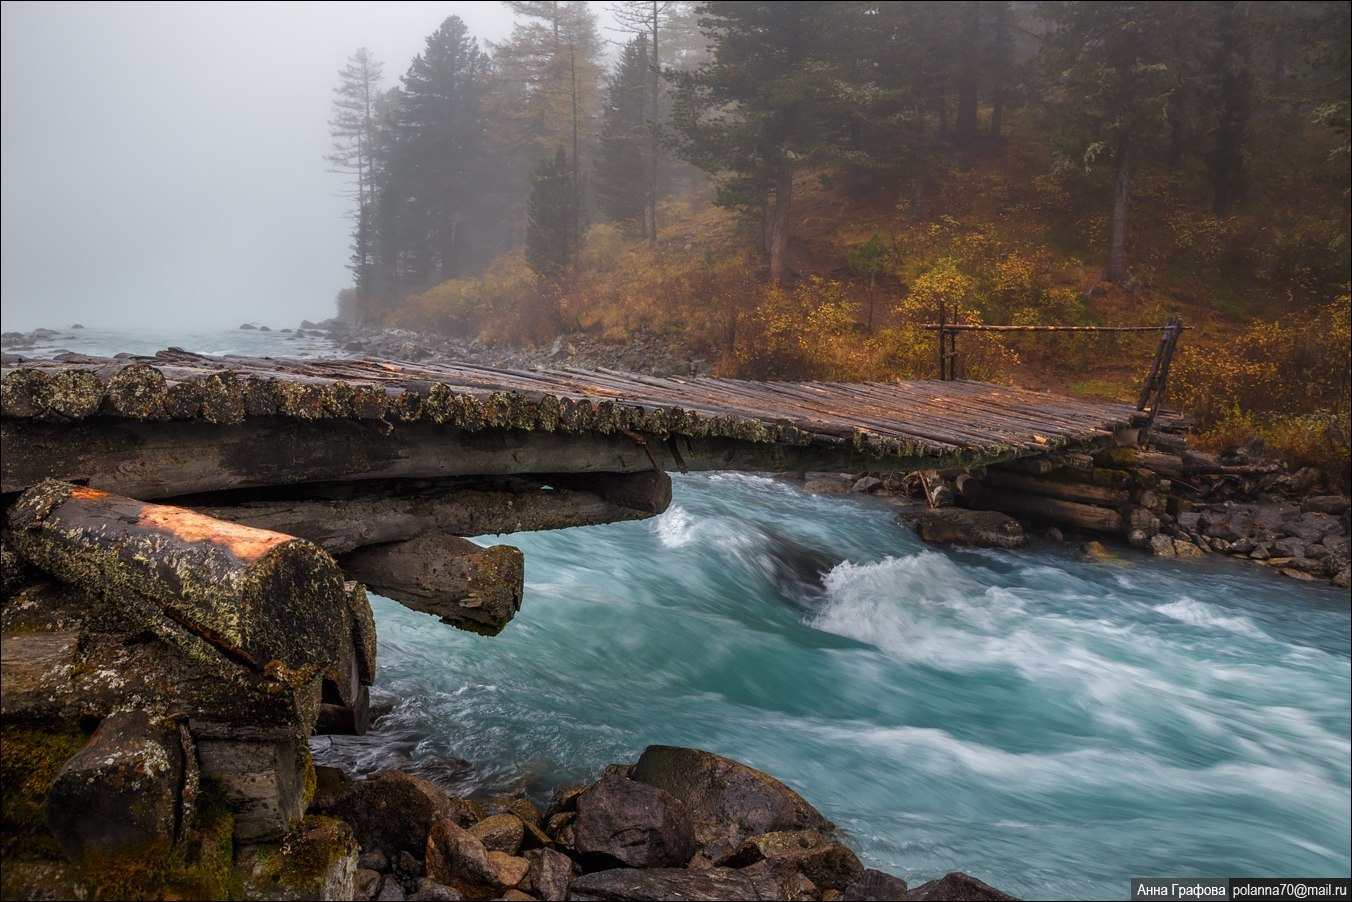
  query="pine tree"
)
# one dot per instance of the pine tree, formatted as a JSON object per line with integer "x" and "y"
{"x": 355, "y": 142}
{"x": 1111, "y": 84}
{"x": 435, "y": 185}
{"x": 624, "y": 152}
{"x": 551, "y": 219}
{"x": 772, "y": 100}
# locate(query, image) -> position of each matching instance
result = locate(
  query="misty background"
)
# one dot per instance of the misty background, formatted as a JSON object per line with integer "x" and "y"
{"x": 163, "y": 163}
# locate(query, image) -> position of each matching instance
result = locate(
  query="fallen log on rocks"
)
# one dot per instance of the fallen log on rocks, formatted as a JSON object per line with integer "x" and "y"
{"x": 466, "y": 585}
{"x": 271, "y": 602}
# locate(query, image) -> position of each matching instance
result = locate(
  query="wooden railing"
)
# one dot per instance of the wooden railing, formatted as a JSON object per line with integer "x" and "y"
{"x": 1156, "y": 382}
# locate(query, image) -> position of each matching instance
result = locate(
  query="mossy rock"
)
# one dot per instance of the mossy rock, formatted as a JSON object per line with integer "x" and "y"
{"x": 30, "y": 758}
{"x": 316, "y": 860}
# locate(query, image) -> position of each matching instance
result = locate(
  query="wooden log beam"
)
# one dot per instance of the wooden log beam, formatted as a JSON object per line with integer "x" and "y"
{"x": 1085, "y": 493}
{"x": 466, "y": 585}
{"x": 377, "y": 512}
{"x": 152, "y": 460}
{"x": 273, "y": 603}
{"x": 1053, "y": 510}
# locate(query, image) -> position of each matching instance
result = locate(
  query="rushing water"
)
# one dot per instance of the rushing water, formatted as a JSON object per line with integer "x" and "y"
{"x": 1052, "y": 725}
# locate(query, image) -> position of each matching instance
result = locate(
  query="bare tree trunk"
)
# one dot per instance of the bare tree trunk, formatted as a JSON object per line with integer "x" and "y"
{"x": 1002, "y": 57}
{"x": 965, "y": 129}
{"x": 653, "y": 147}
{"x": 1117, "y": 224}
{"x": 779, "y": 226}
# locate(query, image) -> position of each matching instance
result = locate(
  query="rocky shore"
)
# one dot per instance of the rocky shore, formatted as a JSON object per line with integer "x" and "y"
{"x": 678, "y": 824}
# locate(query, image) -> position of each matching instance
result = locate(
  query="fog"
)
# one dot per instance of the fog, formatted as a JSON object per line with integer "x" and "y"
{"x": 163, "y": 163}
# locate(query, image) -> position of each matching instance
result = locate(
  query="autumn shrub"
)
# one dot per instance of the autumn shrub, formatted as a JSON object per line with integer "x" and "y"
{"x": 1283, "y": 380}
{"x": 808, "y": 331}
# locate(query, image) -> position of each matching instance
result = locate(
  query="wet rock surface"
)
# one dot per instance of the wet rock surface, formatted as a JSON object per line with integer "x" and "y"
{"x": 960, "y": 526}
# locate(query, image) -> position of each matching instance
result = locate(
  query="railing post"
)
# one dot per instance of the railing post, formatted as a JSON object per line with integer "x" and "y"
{"x": 1157, "y": 382}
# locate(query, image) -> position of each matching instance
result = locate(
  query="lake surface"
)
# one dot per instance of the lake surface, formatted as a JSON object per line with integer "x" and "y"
{"x": 1051, "y": 725}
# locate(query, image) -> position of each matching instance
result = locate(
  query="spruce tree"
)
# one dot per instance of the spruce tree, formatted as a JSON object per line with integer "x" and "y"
{"x": 551, "y": 218}
{"x": 624, "y": 153}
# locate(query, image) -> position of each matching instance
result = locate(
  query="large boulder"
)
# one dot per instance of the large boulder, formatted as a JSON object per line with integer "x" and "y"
{"x": 633, "y": 823}
{"x": 960, "y": 526}
{"x": 727, "y": 800}
{"x": 661, "y": 884}
{"x": 391, "y": 811}
{"x": 316, "y": 860}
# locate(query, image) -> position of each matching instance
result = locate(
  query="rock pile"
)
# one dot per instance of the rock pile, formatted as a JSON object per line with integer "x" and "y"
{"x": 679, "y": 824}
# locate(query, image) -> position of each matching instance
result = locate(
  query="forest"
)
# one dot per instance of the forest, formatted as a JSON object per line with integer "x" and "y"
{"x": 790, "y": 190}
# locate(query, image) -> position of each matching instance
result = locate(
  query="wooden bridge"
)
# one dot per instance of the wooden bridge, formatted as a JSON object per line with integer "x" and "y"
{"x": 219, "y": 611}
{"x": 387, "y": 465}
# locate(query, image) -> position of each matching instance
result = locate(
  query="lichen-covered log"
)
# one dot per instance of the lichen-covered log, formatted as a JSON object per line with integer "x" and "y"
{"x": 134, "y": 390}
{"x": 60, "y": 676}
{"x": 376, "y": 512}
{"x": 466, "y": 585}
{"x": 271, "y": 602}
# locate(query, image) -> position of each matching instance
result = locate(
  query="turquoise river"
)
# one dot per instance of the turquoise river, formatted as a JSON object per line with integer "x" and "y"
{"x": 1049, "y": 724}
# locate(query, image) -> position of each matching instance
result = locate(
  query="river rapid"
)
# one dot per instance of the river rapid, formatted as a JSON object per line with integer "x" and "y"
{"x": 1050, "y": 724}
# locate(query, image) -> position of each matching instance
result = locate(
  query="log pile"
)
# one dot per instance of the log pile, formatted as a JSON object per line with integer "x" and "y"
{"x": 199, "y": 652}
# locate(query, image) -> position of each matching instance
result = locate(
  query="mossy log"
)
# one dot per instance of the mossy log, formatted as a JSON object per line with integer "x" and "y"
{"x": 271, "y": 602}
{"x": 466, "y": 585}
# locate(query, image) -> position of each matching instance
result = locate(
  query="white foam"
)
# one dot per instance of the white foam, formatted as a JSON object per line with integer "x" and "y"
{"x": 675, "y": 528}
{"x": 1199, "y": 613}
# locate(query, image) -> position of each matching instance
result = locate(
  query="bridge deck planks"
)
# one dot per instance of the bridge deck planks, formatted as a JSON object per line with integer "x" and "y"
{"x": 900, "y": 419}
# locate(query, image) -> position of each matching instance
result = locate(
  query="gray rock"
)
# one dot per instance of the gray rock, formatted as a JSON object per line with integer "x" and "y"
{"x": 827, "y": 484}
{"x": 876, "y": 886}
{"x": 957, "y": 887}
{"x": 727, "y": 800}
{"x": 1189, "y": 521}
{"x": 662, "y": 884}
{"x": 960, "y": 526}
{"x": 867, "y": 484}
{"x": 1325, "y": 504}
{"x": 1289, "y": 547}
{"x": 1261, "y": 553}
{"x": 633, "y": 823}
{"x": 550, "y": 874}
{"x": 366, "y": 883}
{"x": 391, "y": 811}
{"x": 390, "y": 891}
{"x": 408, "y": 867}
{"x": 431, "y": 891}
{"x": 1343, "y": 578}
{"x": 1162, "y": 546}
{"x": 374, "y": 860}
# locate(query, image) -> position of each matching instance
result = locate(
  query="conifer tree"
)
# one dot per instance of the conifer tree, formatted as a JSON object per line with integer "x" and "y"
{"x": 624, "y": 151}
